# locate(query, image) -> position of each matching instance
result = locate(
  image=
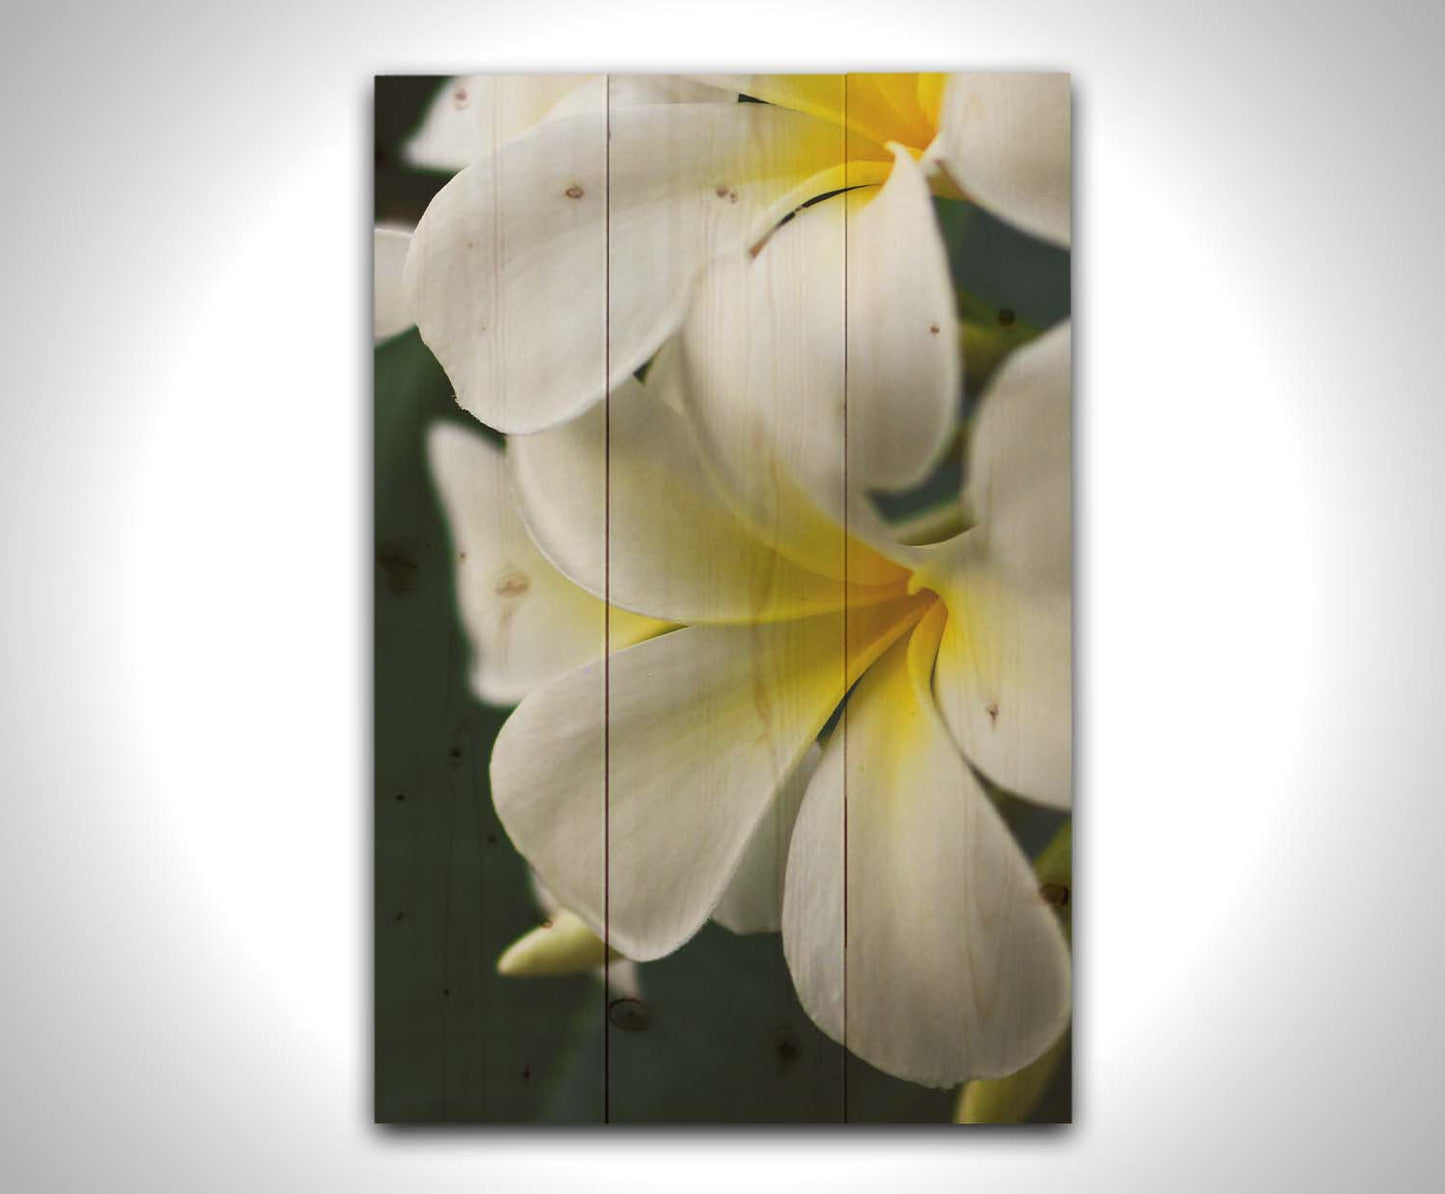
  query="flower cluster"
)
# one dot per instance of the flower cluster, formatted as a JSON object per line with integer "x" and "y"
{"x": 712, "y": 330}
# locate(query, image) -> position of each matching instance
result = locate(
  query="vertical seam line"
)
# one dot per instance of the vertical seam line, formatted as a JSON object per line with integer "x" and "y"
{"x": 607, "y": 619}
{"x": 844, "y": 723}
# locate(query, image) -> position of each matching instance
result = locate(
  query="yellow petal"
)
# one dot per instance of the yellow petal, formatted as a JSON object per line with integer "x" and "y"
{"x": 930, "y": 96}
{"x": 875, "y": 108}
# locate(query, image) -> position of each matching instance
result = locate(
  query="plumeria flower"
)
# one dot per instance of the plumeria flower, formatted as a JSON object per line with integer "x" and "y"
{"x": 555, "y": 264}
{"x": 639, "y": 784}
{"x": 529, "y": 625}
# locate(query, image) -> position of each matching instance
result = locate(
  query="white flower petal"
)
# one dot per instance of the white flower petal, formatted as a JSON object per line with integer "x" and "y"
{"x": 1020, "y": 475}
{"x": 753, "y": 901}
{"x": 536, "y": 273}
{"x": 632, "y": 91}
{"x": 956, "y": 968}
{"x": 388, "y": 258}
{"x": 619, "y": 974}
{"x": 904, "y": 368}
{"x": 527, "y": 623}
{"x": 1003, "y": 681}
{"x": 1004, "y": 678}
{"x": 1005, "y": 139}
{"x": 470, "y": 117}
{"x": 662, "y": 541}
{"x": 764, "y": 351}
{"x": 634, "y": 786}
{"x": 763, "y": 360}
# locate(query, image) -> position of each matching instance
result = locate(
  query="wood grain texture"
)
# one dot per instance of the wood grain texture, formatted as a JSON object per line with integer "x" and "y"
{"x": 683, "y": 569}
{"x": 776, "y": 683}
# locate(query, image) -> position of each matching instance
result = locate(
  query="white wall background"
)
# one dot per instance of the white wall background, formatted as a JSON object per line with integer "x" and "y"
{"x": 184, "y": 239}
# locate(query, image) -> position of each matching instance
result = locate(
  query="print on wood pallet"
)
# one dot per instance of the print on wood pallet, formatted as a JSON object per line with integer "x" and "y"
{"x": 723, "y": 598}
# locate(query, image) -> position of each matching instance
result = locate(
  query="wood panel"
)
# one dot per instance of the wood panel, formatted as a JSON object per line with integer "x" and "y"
{"x": 737, "y": 614}
{"x": 757, "y": 1057}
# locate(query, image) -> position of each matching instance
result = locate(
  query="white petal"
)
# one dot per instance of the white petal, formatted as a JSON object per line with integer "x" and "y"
{"x": 473, "y": 115}
{"x": 1003, "y": 681}
{"x": 762, "y": 353}
{"x": 1004, "y": 678}
{"x": 634, "y": 786}
{"x": 1005, "y": 139}
{"x": 904, "y": 369}
{"x": 540, "y": 271}
{"x": 618, "y": 973}
{"x": 765, "y": 347}
{"x": 620, "y": 501}
{"x": 753, "y": 902}
{"x": 631, "y": 91}
{"x": 388, "y": 258}
{"x": 955, "y": 966}
{"x": 1019, "y": 475}
{"x": 527, "y": 622}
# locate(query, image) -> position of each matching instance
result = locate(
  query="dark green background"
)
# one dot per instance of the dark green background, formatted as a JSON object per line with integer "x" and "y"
{"x": 721, "y": 1037}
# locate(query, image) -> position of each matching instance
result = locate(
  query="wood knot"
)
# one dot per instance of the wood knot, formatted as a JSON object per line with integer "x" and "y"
{"x": 574, "y": 192}
{"x": 399, "y": 566}
{"x": 723, "y": 191}
{"x": 786, "y": 1048}
{"x": 630, "y": 1015}
{"x": 1055, "y": 893}
{"x": 513, "y": 584}
{"x": 934, "y": 329}
{"x": 461, "y": 97}
{"x": 992, "y": 712}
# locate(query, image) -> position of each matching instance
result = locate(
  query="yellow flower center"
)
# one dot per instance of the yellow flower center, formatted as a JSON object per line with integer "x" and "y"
{"x": 874, "y": 108}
